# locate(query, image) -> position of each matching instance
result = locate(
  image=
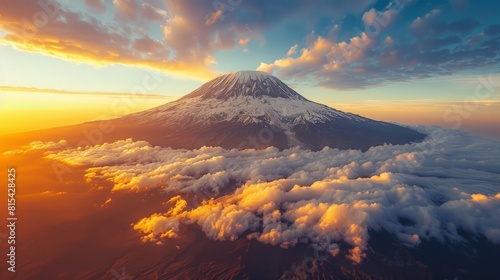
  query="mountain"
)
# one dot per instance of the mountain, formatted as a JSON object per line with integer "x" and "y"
{"x": 252, "y": 109}
{"x": 245, "y": 109}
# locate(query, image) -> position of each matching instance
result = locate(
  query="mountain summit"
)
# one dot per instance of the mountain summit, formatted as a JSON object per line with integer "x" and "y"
{"x": 252, "y": 109}
{"x": 245, "y": 83}
{"x": 245, "y": 109}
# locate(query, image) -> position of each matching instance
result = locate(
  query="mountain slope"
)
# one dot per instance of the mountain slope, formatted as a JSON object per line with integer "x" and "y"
{"x": 251, "y": 109}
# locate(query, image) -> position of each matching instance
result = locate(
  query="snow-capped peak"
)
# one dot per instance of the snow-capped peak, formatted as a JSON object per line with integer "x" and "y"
{"x": 245, "y": 83}
{"x": 247, "y": 74}
{"x": 245, "y": 97}
{"x": 233, "y": 107}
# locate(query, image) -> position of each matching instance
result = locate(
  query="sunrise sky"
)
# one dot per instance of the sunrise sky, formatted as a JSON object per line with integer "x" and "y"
{"x": 413, "y": 62}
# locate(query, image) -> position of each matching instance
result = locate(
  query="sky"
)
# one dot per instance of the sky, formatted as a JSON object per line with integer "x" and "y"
{"x": 411, "y": 62}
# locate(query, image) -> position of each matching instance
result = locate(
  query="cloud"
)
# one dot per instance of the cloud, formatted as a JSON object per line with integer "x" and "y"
{"x": 244, "y": 41}
{"x": 292, "y": 50}
{"x": 56, "y": 30}
{"x": 50, "y": 146}
{"x": 392, "y": 48}
{"x": 96, "y": 5}
{"x": 313, "y": 57}
{"x": 441, "y": 188}
{"x": 183, "y": 37}
{"x": 429, "y": 17}
{"x": 153, "y": 13}
{"x": 39, "y": 146}
{"x": 157, "y": 226}
{"x": 127, "y": 9}
{"x": 213, "y": 18}
{"x": 59, "y": 91}
{"x": 191, "y": 31}
{"x": 374, "y": 17}
{"x": 53, "y": 193}
{"x": 106, "y": 202}
{"x": 261, "y": 14}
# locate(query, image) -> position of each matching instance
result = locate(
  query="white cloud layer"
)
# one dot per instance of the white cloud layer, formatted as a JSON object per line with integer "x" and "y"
{"x": 39, "y": 145}
{"x": 434, "y": 189}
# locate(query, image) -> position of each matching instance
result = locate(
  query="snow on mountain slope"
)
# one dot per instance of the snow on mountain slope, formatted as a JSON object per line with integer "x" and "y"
{"x": 235, "y": 108}
{"x": 245, "y": 97}
{"x": 245, "y": 83}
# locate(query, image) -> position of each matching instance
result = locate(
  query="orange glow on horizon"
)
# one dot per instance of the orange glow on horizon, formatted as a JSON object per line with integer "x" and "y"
{"x": 22, "y": 111}
{"x": 452, "y": 115}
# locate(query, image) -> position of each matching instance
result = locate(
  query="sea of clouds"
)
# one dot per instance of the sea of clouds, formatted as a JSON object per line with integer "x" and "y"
{"x": 435, "y": 189}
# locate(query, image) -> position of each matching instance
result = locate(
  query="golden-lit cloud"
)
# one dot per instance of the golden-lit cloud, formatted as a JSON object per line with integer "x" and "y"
{"x": 244, "y": 41}
{"x": 97, "y": 55}
{"x": 213, "y": 18}
{"x": 322, "y": 198}
{"x": 322, "y": 54}
{"x": 54, "y": 30}
{"x": 126, "y": 31}
{"x": 53, "y": 193}
{"x": 107, "y": 202}
{"x": 39, "y": 145}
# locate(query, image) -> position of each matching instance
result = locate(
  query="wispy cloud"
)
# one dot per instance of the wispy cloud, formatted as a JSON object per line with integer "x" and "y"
{"x": 103, "y": 94}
